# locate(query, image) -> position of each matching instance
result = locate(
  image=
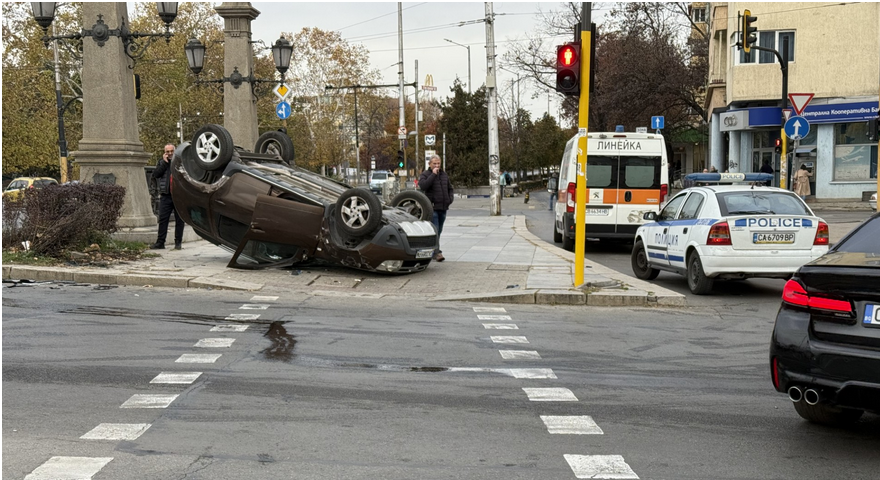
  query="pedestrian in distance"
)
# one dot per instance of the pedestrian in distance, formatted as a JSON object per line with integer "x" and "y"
{"x": 435, "y": 184}
{"x": 162, "y": 175}
{"x": 766, "y": 168}
{"x": 503, "y": 182}
{"x": 714, "y": 170}
{"x": 802, "y": 182}
{"x": 553, "y": 188}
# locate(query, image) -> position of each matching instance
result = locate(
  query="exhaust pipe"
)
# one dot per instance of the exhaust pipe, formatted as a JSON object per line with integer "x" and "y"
{"x": 811, "y": 397}
{"x": 795, "y": 394}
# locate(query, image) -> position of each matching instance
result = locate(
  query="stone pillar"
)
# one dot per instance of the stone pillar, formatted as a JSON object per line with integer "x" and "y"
{"x": 239, "y": 104}
{"x": 110, "y": 150}
{"x": 716, "y": 143}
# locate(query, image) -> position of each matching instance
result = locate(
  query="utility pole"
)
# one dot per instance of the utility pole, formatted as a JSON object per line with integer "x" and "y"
{"x": 59, "y": 102}
{"x": 444, "y": 151}
{"x": 357, "y": 140}
{"x": 416, "y": 157}
{"x": 583, "y": 126}
{"x": 494, "y": 159}
{"x": 468, "y": 47}
{"x": 402, "y": 123}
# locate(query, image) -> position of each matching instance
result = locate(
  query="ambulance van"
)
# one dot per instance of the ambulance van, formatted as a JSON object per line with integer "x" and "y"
{"x": 627, "y": 176}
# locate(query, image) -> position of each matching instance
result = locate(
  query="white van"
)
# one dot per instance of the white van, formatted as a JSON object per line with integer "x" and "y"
{"x": 627, "y": 175}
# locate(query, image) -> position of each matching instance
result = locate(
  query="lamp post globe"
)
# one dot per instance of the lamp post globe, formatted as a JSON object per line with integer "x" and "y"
{"x": 195, "y": 55}
{"x": 44, "y": 13}
{"x": 167, "y": 11}
{"x": 281, "y": 53}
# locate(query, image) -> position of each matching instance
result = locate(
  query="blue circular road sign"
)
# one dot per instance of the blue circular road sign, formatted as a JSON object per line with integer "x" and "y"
{"x": 797, "y": 128}
{"x": 283, "y": 110}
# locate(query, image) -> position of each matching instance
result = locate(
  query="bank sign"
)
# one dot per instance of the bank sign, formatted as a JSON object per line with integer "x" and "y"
{"x": 816, "y": 114}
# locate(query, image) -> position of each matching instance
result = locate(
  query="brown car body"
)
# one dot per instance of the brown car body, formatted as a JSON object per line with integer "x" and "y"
{"x": 271, "y": 214}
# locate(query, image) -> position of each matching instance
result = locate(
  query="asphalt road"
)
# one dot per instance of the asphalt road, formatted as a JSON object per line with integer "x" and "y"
{"x": 331, "y": 388}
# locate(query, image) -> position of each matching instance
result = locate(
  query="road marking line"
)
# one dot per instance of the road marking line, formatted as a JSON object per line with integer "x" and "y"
{"x": 600, "y": 466}
{"x": 501, "y": 326}
{"x": 243, "y": 316}
{"x": 254, "y": 306}
{"x": 185, "y": 378}
{"x": 490, "y": 309}
{"x": 498, "y": 339}
{"x": 493, "y": 317}
{"x": 116, "y": 431}
{"x": 519, "y": 354}
{"x": 550, "y": 395}
{"x": 69, "y": 468}
{"x": 571, "y": 425}
{"x": 229, "y": 328}
{"x": 263, "y": 298}
{"x": 149, "y": 401}
{"x": 530, "y": 372}
{"x": 198, "y": 358}
{"x": 214, "y": 342}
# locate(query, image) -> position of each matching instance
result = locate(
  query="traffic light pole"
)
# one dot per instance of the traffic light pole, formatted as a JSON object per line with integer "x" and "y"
{"x": 783, "y": 65}
{"x": 583, "y": 121}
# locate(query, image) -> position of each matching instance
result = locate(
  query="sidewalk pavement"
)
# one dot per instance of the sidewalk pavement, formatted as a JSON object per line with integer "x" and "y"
{"x": 488, "y": 259}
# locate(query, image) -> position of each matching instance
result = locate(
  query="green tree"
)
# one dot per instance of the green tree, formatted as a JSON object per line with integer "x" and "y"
{"x": 467, "y": 136}
{"x": 546, "y": 143}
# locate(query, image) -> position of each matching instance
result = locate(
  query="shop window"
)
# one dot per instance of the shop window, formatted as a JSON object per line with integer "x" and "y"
{"x": 855, "y": 158}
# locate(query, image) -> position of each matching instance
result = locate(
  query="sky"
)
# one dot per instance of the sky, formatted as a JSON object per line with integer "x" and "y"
{"x": 425, "y": 26}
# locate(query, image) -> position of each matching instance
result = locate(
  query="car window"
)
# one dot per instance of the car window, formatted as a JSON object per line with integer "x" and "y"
{"x": 601, "y": 172}
{"x": 669, "y": 211}
{"x": 752, "y": 202}
{"x": 380, "y": 176}
{"x": 864, "y": 240}
{"x": 640, "y": 172}
{"x": 691, "y": 208}
{"x": 43, "y": 183}
{"x": 17, "y": 185}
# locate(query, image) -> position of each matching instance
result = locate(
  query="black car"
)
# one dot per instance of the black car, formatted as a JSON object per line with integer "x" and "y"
{"x": 270, "y": 213}
{"x": 825, "y": 350}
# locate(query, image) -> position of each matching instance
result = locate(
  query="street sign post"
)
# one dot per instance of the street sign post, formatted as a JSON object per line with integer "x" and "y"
{"x": 283, "y": 110}
{"x": 657, "y": 122}
{"x": 282, "y": 91}
{"x": 797, "y": 128}
{"x": 799, "y": 101}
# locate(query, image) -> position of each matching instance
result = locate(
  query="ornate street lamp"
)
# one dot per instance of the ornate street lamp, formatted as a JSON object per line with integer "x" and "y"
{"x": 195, "y": 57}
{"x": 44, "y": 14}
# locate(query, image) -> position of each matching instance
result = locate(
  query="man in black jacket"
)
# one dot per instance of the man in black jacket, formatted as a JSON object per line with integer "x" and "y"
{"x": 162, "y": 175}
{"x": 435, "y": 183}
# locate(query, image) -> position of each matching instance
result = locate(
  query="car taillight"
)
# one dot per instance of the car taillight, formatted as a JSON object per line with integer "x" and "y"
{"x": 570, "y": 199}
{"x": 774, "y": 372}
{"x": 794, "y": 294}
{"x": 664, "y": 190}
{"x": 719, "y": 234}
{"x": 821, "y": 234}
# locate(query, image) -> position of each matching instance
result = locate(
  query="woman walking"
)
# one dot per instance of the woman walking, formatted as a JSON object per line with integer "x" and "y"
{"x": 802, "y": 182}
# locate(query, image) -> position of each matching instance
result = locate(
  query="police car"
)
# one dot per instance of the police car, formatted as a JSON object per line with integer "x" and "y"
{"x": 734, "y": 231}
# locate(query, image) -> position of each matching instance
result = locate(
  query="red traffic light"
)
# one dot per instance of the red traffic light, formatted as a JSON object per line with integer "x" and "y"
{"x": 568, "y": 55}
{"x": 778, "y": 142}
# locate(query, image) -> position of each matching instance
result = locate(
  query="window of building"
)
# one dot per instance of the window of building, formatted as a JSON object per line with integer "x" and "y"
{"x": 699, "y": 15}
{"x": 772, "y": 40}
{"x": 855, "y": 158}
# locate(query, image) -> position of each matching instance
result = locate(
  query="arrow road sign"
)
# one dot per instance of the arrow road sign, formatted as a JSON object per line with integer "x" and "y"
{"x": 657, "y": 122}
{"x": 283, "y": 110}
{"x": 799, "y": 101}
{"x": 797, "y": 128}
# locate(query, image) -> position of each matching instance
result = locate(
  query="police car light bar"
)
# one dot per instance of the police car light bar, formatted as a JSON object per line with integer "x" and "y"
{"x": 729, "y": 177}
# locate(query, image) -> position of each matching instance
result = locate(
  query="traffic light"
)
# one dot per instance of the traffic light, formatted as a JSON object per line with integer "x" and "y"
{"x": 400, "y": 159}
{"x": 748, "y": 31}
{"x": 778, "y": 145}
{"x": 568, "y": 68}
{"x": 873, "y": 129}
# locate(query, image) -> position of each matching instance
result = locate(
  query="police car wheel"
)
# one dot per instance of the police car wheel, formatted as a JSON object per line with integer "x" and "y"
{"x": 698, "y": 282}
{"x": 640, "y": 264}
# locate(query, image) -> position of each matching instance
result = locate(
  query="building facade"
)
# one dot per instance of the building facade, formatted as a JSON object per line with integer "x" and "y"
{"x": 833, "y": 53}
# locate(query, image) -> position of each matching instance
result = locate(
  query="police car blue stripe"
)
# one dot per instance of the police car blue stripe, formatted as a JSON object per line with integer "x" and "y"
{"x": 676, "y": 258}
{"x": 657, "y": 255}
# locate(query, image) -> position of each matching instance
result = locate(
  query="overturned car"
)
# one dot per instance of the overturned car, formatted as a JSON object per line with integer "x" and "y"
{"x": 271, "y": 213}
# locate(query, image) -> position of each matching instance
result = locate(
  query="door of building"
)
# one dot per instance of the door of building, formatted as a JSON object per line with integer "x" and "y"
{"x": 761, "y": 155}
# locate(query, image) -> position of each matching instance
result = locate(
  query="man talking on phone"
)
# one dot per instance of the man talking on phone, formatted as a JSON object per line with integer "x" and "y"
{"x": 435, "y": 183}
{"x": 162, "y": 175}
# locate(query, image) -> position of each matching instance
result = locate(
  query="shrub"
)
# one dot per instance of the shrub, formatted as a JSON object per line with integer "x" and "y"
{"x": 61, "y": 217}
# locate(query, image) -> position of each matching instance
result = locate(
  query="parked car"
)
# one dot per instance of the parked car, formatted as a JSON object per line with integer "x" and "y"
{"x": 729, "y": 231}
{"x": 825, "y": 348}
{"x": 378, "y": 178}
{"x": 17, "y": 186}
{"x": 272, "y": 213}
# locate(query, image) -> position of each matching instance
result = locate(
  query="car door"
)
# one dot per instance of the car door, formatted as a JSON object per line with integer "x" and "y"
{"x": 657, "y": 233}
{"x": 680, "y": 228}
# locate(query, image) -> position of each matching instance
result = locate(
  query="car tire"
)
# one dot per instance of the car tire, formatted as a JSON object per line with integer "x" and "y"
{"x": 212, "y": 147}
{"x": 414, "y": 203}
{"x": 640, "y": 265}
{"x": 193, "y": 169}
{"x": 698, "y": 282}
{"x": 557, "y": 235}
{"x": 825, "y": 414}
{"x": 358, "y": 212}
{"x": 276, "y": 143}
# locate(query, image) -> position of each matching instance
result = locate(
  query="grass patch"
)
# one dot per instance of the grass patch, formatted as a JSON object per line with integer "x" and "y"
{"x": 27, "y": 258}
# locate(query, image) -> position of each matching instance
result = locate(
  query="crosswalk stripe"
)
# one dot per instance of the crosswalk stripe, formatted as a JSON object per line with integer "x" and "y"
{"x": 229, "y": 328}
{"x": 550, "y": 395}
{"x": 263, "y": 298}
{"x": 509, "y": 339}
{"x": 500, "y": 326}
{"x": 519, "y": 354}
{"x": 184, "y": 378}
{"x": 571, "y": 425}
{"x": 493, "y": 317}
{"x": 214, "y": 342}
{"x": 198, "y": 358}
{"x": 149, "y": 401}
{"x": 254, "y": 306}
{"x": 63, "y": 468}
{"x": 489, "y": 309}
{"x": 116, "y": 431}
{"x": 243, "y": 316}
{"x": 531, "y": 372}
{"x": 600, "y": 466}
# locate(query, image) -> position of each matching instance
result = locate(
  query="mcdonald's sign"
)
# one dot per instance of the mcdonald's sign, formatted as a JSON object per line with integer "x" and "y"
{"x": 429, "y": 83}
